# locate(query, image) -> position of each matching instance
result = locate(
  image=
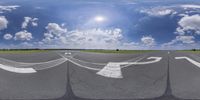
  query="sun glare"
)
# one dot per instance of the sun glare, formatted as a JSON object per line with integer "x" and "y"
{"x": 99, "y": 18}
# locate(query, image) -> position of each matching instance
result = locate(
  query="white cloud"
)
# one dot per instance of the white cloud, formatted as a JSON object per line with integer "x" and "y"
{"x": 57, "y": 36}
{"x": 186, "y": 6}
{"x": 88, "y": 38}
{"x": 55, "y": 29}
{"x": 27, "y": 20}
{"x": 8, "y": 8}
{"x": 185, "y": 39}
{"x": 23, "y": 35}
{"x": 7, "y": 36}
{"x": 148, "y": 40}
{"x": 180, "y": 40}
{"x": 189, "y": 24}
{"x": 26, "y": 45}
{"x": 3, "y": 22}
{"x": 158, "y": 11}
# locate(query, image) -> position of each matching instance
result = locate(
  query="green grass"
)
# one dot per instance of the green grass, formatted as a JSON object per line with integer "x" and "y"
{"x": 20, "y": 51}
{"x": 189, "y": 51}
{"x": 120, "y": 51}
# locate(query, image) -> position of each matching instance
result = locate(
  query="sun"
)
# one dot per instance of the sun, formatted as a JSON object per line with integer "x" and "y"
{"x": 99, "y": 18}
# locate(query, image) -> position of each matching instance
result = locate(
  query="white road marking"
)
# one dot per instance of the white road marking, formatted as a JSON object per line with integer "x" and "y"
{"x": 23, "y": 63}
{"x": 113, "y": 69}
{"x": 156, "y": 59}
{"x": 190, "y": 60}
{"x": 17, "y": 70}
{"x": 68, "y": 53}
{"x": 89, "y": 62}
{"x": 97, "y": 69}
{"x": 21, "y": 67}
{"x": 49, "y": 64}
{"x": 134, "y": 61}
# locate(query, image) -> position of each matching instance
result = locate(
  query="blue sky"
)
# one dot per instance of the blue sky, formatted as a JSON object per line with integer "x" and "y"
{"x": 100, "y": 24}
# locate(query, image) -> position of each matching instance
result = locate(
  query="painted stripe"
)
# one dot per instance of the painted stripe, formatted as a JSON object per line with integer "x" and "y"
{"x": 97, "y": 69}
{"x": 111, "y": 70}
{"x": 88, "y": 62}
{"x": 190, "y": 60}
{"x": 157, "y": 59}
{"x": 17, "y": 70}
{"x": 127, "y": 65}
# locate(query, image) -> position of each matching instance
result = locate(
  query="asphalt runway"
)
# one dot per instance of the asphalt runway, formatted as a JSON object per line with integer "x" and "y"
{"x": 92, "y": 76}
{"x": 45, "y": 84}
{"x": 140, "y": 81}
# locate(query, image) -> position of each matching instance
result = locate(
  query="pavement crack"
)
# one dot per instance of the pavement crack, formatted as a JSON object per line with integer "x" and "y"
{"x": 160, "y": 78}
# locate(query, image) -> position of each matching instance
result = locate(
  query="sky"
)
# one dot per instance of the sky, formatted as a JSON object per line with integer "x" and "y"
{"x": 100, "y": 24}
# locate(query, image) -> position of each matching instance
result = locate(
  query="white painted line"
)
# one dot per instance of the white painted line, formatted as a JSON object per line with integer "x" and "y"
{"x": 25, "y": 64}
{"x": 190, "y": 60}
{"x": 68, "y": 53}
{"x": 50, "y": 64}
{"x": 111, "y": 70}
{"x": 17, "y": 70}
{"x": 96, "y": 69}
{"x": 89, "y": 62}
{"x": 83, "y": 66}
{"x": 127, "y": 65}
{"x": 156, "y": 59}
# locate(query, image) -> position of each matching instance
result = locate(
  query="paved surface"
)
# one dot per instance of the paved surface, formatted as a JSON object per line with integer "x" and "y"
{"x": 168, "y": 79}
{"x": 185, "y": 77}
{"x": 45, "y": 84}
{"x": 142, "y": 81}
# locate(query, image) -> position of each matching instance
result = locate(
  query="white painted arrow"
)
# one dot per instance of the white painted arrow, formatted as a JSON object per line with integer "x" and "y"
{"x": 156, "y": 59}
{"x": 113, "y": 69}
{"x": 190, "y": 60}
{"x": 17, "y": 70}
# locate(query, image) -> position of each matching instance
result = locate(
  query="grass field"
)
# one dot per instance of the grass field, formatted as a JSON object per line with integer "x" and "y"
{"x": 190, "y": 51}
{"x": 20, "y": 51}
{"x": 120, "y": 51}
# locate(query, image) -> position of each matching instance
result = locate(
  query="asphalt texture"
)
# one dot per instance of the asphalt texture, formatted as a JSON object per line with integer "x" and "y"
{"x": 168, "y": 79}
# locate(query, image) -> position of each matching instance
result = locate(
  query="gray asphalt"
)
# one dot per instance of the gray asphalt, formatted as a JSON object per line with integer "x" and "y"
{"x": 152, "y": 81}
{"x": 185, "y": 77}
{"x": 142, "y": 81}
{"x": 45, "y": 84}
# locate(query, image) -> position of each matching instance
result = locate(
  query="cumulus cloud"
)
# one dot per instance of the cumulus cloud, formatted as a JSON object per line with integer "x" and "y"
{"x": 148, "y": 40}
{"x": 190, "y": 6}
{"x": 189, "y": 24}
{"x": 3, "y": 22}
{"x": 23, "y": 35}
{"x": 89, "y": 38}
{"x": 29, "y": 20}
{"x": 8, "y": 8}
{"x": 55, "y": 29}
{"x": 7, "y": 36}
{"x": 180, "y": 40}
{"x": 57, "y": 36}
{"x": 185, "y": 39}
{"x": 158, "y": 11}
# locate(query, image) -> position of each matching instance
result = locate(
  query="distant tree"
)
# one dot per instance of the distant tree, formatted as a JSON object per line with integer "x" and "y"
{"x": 193, "y": 49}
{"x": 117, "y": 49}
